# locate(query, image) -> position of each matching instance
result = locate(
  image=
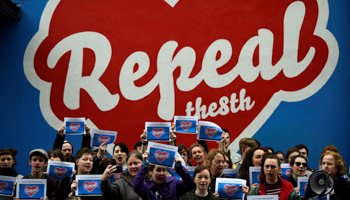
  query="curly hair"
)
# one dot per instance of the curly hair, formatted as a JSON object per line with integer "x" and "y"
{"x": 339, "y": 162}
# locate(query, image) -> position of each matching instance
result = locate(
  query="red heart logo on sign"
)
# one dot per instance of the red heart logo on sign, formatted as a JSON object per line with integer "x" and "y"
{"x": 210, "y": 59}
{"x": 210, "y": 132}
{"x": 60, "y": 171}
{"x": 161, "y": 156}
{"x": 288, "y": 172}
{"x": 90, "y": 186}
{"x": 305, "y": 186}
{"x": 31, "y": 190}
{"x": 101, "y": 139}
{"x": 3, "y": 186}
{"x": 157, "y": 132}
{"x": 185, "y": 125}
{"x": 230, "y": 189}
{"x": 74, "y": 126}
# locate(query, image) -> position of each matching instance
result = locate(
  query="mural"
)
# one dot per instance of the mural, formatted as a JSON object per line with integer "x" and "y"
{"x": 235, "y": 63}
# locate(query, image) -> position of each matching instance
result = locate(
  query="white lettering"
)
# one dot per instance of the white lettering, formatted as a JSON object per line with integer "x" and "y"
{"x": 75, "y": 43}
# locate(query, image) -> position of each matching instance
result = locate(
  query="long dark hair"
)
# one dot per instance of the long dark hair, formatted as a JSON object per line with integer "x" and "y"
{"x": 248, "y": 162}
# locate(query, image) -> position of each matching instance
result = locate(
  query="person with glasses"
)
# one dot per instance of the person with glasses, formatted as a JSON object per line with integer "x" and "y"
{"x": 67, "y": 147}
{"x": 298, "y": 165}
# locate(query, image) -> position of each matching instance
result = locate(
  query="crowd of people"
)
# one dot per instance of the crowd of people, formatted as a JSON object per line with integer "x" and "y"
{"x": 143, "y": 180}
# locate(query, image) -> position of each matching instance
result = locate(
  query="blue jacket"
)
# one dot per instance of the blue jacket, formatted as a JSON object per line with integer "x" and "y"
{"x": 172, "y": 188}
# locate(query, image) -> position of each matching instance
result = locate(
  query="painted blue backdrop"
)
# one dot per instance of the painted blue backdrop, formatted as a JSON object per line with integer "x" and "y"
{"x": 318, "y": 121}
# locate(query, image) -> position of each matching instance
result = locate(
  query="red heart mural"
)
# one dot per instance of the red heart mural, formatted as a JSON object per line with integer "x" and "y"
{"x": 185, "y": 125}
{"x": 158, "y": 132}
{"x": 3, "y": 186}
{"x": 230, "y": 189}
{"x": 74, "y": 126}
{"x": 210, "y": 132}
{"x": 60, "y": 171}
{"x": 228, "y": 62}
{"x": 161, "y": 156}
{"x": 90, "y": 186}
{"x": 101, "y": 139}
{"x": 31, "y": 190}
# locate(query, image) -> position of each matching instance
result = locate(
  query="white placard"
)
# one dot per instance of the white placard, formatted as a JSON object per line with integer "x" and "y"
{"x": 155, "y": 134}
{"x": 161, "y": 154}
{"x": 186, "y": 124}
{"x": 57, "y": 173}
{"x": 94, "y": 132}
{"x": 30, "y": 188}
{"x": 6, "y": 185}
{"x": 229, "y": 187}
{"x": 91, "y": 183}
{"x": 74, "y": 126}
{"x": 302, "y": 184}
{"x": 252, "y": 173}
{"x": 262, "y": 197}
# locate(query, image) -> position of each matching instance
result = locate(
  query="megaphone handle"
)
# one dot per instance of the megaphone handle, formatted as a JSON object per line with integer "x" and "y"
{"x": 325, "y": 187}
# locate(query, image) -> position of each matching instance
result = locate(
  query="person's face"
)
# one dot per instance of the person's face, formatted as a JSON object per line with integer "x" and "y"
{"x": 217, "y": 164}
{"x": 138, "y": 148}
{"x": 183, "y": 154}
{"x": 291, "y": 155}
{"x": 198, "y": 155}
{"x": 38, "y": 163}
{"x": 257, "y": 157}
{"x": 299, "y": 170}
{"x": 271, "y": 170}
{"x": 119, "y": 156}
{"x": 134, "y": 165}
{"x": 245, "y": 150}
{"x": 158, "y": 174}
{"x": 202, "y": 180}
{"x": 328, "y": 163}
{"x": 303, "y": 152}
{"x": 226, "y": 138}
{"x": 84, "y": 164}
{"x": 280, "y": 157}
{"x": 67, "y": 151}
{"x": 54, "y": 158}
{"x": 227, "y": 162}
{"x": 6, "y": 161}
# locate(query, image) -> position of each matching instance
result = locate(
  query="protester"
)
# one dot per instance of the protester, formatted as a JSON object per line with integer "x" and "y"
{"x": 67, "y": 147}
{"x": 138, "y": 146}
{"x": 304, "y": 151}
{"x": 334, "y": 163}
{"x": 84, "y": 164}
{"x": 215, "y": 161}
{"x": 120, "y": 152}
{"x": 280, "y": 156}
{"x": 271, "y": 183}
{"x": 245, "y": 144}
{"x": 202, "y": 178}
{"x": 298, "y": 165}
{"x": 290, "y": 153}
{"x": 198, "y": 154}
{"x": 252, "y": 158}
{"x": 185, "y": 154}
{"x": 228, "y": 162}
{"x": 7, "y": 163}
{"x": 38, "y": 159}
{"x": 160, "y": 186}
{"x": 55, "y": 155}
{"x": 122, "y": 188}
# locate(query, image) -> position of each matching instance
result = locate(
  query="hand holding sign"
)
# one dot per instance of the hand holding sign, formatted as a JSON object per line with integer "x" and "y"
{"x": 102, "y": 150}
{"x": 73, "y": 188}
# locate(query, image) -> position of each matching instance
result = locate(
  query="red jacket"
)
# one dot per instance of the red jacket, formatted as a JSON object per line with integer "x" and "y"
{"x": 286, "y": 188}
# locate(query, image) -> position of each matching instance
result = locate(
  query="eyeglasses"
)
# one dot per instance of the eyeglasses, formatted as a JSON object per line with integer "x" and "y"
{"x": 299, "y": 163}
